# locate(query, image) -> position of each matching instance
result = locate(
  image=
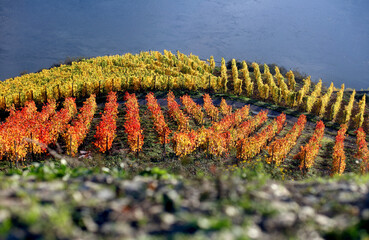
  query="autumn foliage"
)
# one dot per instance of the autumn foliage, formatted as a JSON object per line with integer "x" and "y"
{"x": 160, "y": 125}
{"x": 78, "y": 129}
{"x": 132, "y": 123}
{"x": 309, "y": 152}
{"x": 362, "y": 150}
{"x": 248, "y": 148}
{"x": 106, "y": 130}
{"x": 279, "y": 148}
{"x": 339, "y": 164}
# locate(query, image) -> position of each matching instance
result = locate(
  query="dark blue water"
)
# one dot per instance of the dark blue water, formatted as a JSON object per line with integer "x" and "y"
{"x": 327, "y": 39}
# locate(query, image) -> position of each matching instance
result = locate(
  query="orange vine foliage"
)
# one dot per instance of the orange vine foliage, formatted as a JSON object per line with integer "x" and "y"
{"x": 246, "y": 128}
{"x": 309, "y": 152}
{"x": 160, "y": 126}
{"x": 279, "y": 148}
{"x": 339, "y": 164}
{"x": 209, "y": 107}
{"x": 132, "y": 124}
{"x": 106, "y": 130}
{"x": 184, "y": 142}
{"x": 39, "y": 126}
{"x": 215, "y": 139}
{"x": 176, "y": 113}
{"x": 247, "y": 148}
{"x": 225, "y": 109}
{"x": 192, "y": 108}
{"x": 58, "y": 123}
{"x": 362, "y": 150}
{"x": 14, "y": 130}
{"x": 77, "y": 131}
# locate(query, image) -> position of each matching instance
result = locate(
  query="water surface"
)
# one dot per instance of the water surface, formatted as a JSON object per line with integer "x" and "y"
{"x": 327, "y": 39}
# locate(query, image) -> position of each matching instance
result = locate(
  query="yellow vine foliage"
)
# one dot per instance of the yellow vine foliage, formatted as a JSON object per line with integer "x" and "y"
{"x": 348, "y": 109}
{"x": 237, "y": 83}
{"x": 310, "y": 100}
{"x": 304, "y": 90}
{"x": 337, "y": 104}
{"x": 291, "y": 80}
{"x": 324, "y": 100}
{"x": 359, "y": 117}
{"x": 146, "y": 70}
{"x": 223, "y": 73}
{"x": 247, "y": 79}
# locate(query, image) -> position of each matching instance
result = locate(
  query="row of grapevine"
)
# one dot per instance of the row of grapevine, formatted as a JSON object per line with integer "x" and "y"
{"x": 160, "y": 126}
{"x": 308, "y": 153}
{"x": 209, "y": 107}
{"x": 339, "y": 164}
{"x": 362, "y": 150}
{"x": 76, "y": 131}
{"x": 245, "y": 129}
{"x": 132, "y": 123}
{"x": 216, "y": 139}
{"x": 106, "y": 130}
{"x": 279, "y": 148}
{"x": 14, "y": 130}
{"x": 224, "y": 108}
{"x": 249, "y": 147}
{"x": 190, "y": 107}
{"x": 176, "y": 113}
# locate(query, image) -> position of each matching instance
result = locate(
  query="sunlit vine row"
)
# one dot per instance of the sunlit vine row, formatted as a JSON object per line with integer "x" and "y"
{"x": 106, "y": 130}
{"x": 279, "y": 148}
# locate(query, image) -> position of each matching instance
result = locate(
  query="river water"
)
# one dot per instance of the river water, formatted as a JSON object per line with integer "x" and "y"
{"x": 326, "y": 39}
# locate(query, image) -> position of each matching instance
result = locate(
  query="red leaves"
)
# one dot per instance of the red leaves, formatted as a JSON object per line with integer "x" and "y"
{"x": 339, "y": 164}
{"x": 362, "y": 150}
{"x": 308, "y": 152}
{"x": 106, "y": 129}
{"x": 279, "y": 149}
{"x": 132, "y": 124}
{"x": 192, "y": 108}
{"x": 77, "y": 131}
{"x": 210, "y": 109}
{"x": 248, "y": 148}
{"x": 157, "y": 115}
{"x": 176, "y": 113}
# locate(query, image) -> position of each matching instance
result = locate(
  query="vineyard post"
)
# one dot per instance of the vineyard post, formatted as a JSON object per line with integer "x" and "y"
{"x": 32, "y": 154}
{"x": 107, "y": 143}
{"x": 45, "y": 95}
{"x": 70, "y": 145}
{"x": 16, "y": 154}
{"x": 273, "y": 155}
{"x": 241, "y": 149}
{"x": 164, "y": 143}
{"x": 72, "y": 89}
{"x": 209, "y": 84}
{"x": 304, "y": 170}
{"x": 138, "y": 144}
{"x": 58, "y": 92}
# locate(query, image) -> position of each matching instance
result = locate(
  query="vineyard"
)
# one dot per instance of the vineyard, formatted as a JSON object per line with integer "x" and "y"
{"x": 169, "y": 145}
{"x": 206, "y": 132}
{"x": 182, "y": 128}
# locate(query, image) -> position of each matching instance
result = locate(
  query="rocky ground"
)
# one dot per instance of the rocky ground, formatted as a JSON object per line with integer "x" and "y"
{"x": 57, "y": 202}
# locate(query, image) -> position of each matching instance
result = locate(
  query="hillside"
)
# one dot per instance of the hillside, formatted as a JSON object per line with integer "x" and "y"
{"x": 162, "y": 145}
